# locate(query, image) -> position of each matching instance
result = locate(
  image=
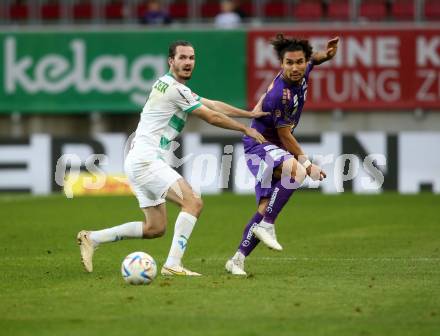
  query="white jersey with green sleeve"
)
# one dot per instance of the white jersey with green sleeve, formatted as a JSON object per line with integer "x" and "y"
{"x": 163, "y": 117}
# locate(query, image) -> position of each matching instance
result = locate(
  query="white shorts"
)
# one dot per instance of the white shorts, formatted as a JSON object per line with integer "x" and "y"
{"x": 150, "y": 180}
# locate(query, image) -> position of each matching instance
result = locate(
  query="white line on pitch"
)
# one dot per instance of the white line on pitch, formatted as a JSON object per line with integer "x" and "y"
{"x": 392, "y": 259}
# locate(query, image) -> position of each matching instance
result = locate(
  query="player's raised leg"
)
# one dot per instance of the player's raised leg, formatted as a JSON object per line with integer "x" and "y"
{"x": 153, "y": 226}
{"x": 149, "y": 180}
{"x": 191, "y": 205}
{"x": 88, "y": 241}
{"x": 291, "y": 174}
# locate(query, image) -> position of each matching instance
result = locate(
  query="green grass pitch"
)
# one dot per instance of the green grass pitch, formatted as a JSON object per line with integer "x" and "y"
{"x": 351, "y": 265}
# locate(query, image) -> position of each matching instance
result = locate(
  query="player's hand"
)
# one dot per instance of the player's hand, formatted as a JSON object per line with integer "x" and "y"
{"x": 258, "y": 114}
{"x": 253, "y": 133}
{"x": 332, "y": 47}
{"x": 316, "y": 173}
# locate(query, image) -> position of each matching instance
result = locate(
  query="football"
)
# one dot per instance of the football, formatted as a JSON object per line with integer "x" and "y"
{"x": 138, "y": 268}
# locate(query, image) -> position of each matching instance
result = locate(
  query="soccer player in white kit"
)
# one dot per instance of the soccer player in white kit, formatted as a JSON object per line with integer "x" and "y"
{"x": 153, "y": 181}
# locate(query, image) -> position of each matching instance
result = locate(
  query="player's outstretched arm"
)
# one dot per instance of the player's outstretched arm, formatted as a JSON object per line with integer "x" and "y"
{"x": 320, "y": 57}
{"x": 258, "y": 108}
{"x": 220, "y": 120}
{"x": 231, "y": 111}
{"x": 291, "y": 144}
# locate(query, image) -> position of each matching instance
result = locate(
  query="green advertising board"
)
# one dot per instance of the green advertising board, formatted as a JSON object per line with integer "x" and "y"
{"x": 110, "y": 71}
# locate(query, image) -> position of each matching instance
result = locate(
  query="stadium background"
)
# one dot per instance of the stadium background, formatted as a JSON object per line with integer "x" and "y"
{"x": 74, "y": 77}
{"x": 74, "y": 70}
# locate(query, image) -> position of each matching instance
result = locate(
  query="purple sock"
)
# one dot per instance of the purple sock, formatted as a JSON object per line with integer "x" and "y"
{"x": 249, "y": 241}
{"x": 281, "y": 193}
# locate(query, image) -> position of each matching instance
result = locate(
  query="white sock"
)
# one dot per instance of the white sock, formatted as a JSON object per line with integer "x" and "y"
{"x": 127, "y": 230}
{"x": 239, "y": 257}
{"x": 182, "y": 231}
{"x": 265, "y": 224}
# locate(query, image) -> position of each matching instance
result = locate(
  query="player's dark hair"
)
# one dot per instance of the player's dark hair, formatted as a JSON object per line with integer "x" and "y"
{"x": 173, "y": 46}
{"x": 283, "y": 44}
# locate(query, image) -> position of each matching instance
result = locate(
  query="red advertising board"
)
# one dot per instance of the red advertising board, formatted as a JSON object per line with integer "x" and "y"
{"x": 374, "y": 68}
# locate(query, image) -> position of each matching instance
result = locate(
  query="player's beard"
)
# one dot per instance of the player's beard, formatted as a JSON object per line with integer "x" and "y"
{"x": 295, "y": 80}
{"x": 297, "y": 77}
{"x": 183, "y": 76}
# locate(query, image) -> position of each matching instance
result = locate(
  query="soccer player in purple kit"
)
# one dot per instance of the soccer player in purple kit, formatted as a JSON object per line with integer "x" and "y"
{"x": 279, "y": 165}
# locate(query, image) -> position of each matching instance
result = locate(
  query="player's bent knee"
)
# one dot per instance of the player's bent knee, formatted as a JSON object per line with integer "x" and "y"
{"x": 159, "y": 232}
{"x": 197, "y": 205}
{"x": 154, "y": 232}
{"x": 154, "y": 228}
{"x": 194, "y": 206}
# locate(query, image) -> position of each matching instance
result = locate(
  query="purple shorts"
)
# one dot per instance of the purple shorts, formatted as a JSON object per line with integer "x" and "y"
{"x": 261, "y": 160}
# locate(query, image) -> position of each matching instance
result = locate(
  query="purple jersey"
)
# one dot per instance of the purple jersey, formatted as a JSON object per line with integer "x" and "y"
{"x": 285, "y": 102}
